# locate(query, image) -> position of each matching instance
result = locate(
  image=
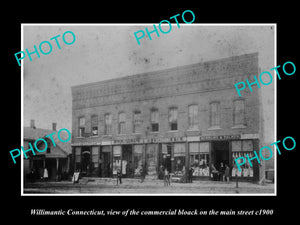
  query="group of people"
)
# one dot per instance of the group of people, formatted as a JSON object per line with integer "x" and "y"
{"x": 42, "y": 174}
{"x": 222, "y": 174}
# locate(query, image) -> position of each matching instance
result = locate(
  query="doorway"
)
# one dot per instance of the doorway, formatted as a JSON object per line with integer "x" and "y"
{"x": 106, "y": 164}
{"x": 220, "y": 153}
{"x": 127, "y": 165}
{"x": 85, "y": 161}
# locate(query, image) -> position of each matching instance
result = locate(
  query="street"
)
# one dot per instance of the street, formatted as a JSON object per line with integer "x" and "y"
{"x": 134, "y": 186}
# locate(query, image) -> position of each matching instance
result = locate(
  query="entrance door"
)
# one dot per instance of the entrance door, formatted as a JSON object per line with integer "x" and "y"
{"x": 220, "y": 153}
{"x": 106, "y": 159}
{"x": 127, "y": 165}
{"x": 85, "y": 160}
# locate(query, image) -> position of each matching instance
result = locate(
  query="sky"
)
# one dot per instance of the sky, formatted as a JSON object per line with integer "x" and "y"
{"x": 107, "y": 51}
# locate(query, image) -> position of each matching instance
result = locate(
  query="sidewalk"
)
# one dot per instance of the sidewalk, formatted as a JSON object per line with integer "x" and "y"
{"x": 134, "y": 186}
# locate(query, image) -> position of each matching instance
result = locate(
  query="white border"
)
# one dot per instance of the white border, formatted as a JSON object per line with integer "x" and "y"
{"x": 149, "y": 24}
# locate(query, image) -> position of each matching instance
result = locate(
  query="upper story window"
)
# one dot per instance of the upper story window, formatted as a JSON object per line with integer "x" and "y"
{"x": 215, "y": 114}
{"x": 173, "y": 118}
{"x": 122, "y": 122}
{"x": 81, "y": 127}
{"x": 107, "y": 123}
{"x": 239, "y": 112}
{"x": 193, "y": 117}
{"x": 154, "y": 120}
{"x": 94, "y": 125}
{"x": 137, "y": 121}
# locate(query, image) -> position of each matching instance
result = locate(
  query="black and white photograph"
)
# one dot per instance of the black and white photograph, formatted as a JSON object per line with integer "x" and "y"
{"x": 159, "y": 115}
{"x": 162, "y": 117}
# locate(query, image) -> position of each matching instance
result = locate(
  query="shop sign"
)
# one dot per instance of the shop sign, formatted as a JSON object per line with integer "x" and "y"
{"x": 86, "y": 143}
{"x": 220, "y": 137}
{"x": 128, "y": 141}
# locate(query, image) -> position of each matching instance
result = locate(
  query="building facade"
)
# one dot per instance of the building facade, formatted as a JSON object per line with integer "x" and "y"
{"x": 188, "y": 116}
{"x": 56, "y": 159}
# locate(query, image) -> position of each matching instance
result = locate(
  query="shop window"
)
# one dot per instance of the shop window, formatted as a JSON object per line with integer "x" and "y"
{"x": 240, "y": 149}
{"x": 81, "y": 127}
{"x": 179, "y": 159}
{"x": 154, "y": 120}
{"x": 122, "y": 122}
{"x": 151, "y": 159}
{"x": 199, "y": 158}
{"x": 215, "y": 114}
{"x": 173, "y": 114}
{"x": 137, "y": 122}
{"x": 239, "y": 112}
{"x": 107, "y": 124}
{"x": 193, "y": 117}
{"x": 138, "y": 159}
{"x": 94, "y": 123}
{"x": 116, "y": 159}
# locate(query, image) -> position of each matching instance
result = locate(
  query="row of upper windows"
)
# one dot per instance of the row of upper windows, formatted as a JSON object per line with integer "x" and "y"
{"x": 193, "y": 114}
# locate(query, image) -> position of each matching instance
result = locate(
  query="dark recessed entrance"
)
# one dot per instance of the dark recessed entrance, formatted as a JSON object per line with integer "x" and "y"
{"x": 220, "y": 153}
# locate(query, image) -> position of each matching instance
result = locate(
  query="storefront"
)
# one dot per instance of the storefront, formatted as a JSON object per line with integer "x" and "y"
{"x": 177, "y": 155}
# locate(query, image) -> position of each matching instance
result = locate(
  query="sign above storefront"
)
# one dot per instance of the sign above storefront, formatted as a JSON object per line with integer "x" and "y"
{"x": 220, "y": 137}
{"x": 159, "y": 140}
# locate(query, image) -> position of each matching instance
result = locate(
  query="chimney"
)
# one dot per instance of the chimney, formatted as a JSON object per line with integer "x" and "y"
{"x": 32, "y": 124}
{"x": 54, "y": 126}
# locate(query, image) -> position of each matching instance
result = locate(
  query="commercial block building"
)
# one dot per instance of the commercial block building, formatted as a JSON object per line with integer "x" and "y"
{"x": 188, "y": 116}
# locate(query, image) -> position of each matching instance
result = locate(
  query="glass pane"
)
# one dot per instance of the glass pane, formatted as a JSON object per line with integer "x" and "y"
{"x": 151, "y": 158}
{"x": 204, "y": 147}
{"x": 138, "y": 158}
{"x": 247, "y": 146}
{"x": 236, "y": 146}
{"x": 116, "y": 159}
{"x": 194, "y": 147}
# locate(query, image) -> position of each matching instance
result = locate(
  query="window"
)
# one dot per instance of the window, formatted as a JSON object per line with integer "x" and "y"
{"x": 199, "y": 158}
{"x": 107, "y": 123}
{"x": 81, "y": 127}
{"x": 94, "y": 123}
{"x": 242, "y": 149}
{"x": 173, "y": 113}
{"x": 137, "y": 122}
{"x": 239, "y": 112}
{"x": 122, "y": 120}
{"x": 215, "y": 114}
{"x": 193, "y": 117}
{"x": 154, "y": 120}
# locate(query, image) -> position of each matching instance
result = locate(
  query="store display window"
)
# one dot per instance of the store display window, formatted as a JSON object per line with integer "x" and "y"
{"x": 240, "y": 149}
{"x": 138, "y": 159}
{"x": 116, "y": 159}
{"x": 199, "y": 158}
{"x": 179, "y": 159}
{"x": 151, "y": 159}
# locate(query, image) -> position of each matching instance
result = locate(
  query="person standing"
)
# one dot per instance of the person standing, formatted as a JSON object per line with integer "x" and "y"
{"x": 45, "y": 175}
{"x": 222, "y": 172}
{"x": 142, "y": 173}
{"x": 190, "y": 175}
{"x": 119, "y": 176}
{"x": 227, "y": 173}
{"x": 166, "y": 177}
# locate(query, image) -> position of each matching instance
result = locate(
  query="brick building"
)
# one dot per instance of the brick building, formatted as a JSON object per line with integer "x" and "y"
{"x": 188, "y": 116}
